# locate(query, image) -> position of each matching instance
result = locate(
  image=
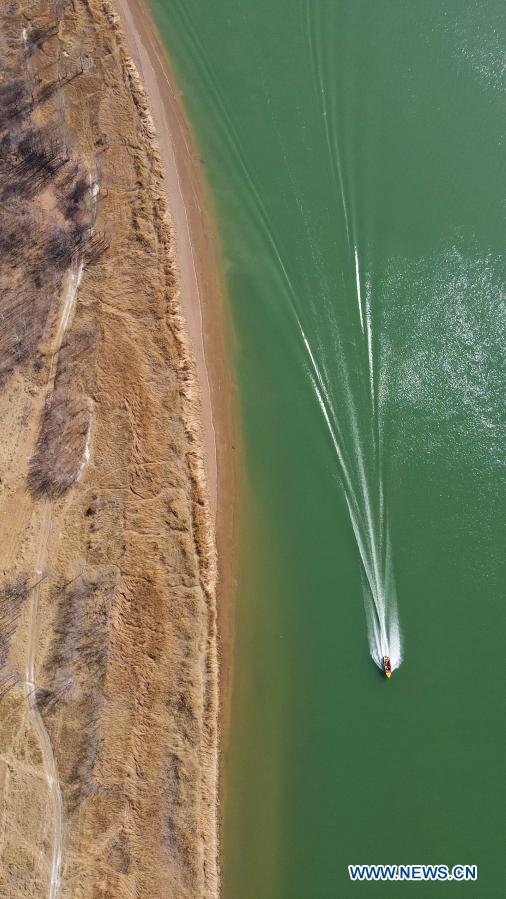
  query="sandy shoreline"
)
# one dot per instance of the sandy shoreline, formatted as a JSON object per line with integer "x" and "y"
{"x": 202, "y": 293}
{"x": 204, "y": 309}
{"x": 196, "y": 253}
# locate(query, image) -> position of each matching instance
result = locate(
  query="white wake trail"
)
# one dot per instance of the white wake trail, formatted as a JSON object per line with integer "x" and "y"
{"x": 359, "y": 290}
{"x": 371, "y": 532}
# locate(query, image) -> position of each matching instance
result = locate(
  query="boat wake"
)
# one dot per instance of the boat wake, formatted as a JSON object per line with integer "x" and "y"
{"x": 384, "y": 633}
{"x": 337, "y": 334}
{"x": 360, "y": 463}
{"x": 348, "y": 381}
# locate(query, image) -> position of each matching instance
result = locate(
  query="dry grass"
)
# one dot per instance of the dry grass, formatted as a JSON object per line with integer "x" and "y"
{"x": 126, "y": 663}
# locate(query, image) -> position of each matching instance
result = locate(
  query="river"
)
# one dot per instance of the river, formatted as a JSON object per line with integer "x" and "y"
{"x": 355, "y": 155}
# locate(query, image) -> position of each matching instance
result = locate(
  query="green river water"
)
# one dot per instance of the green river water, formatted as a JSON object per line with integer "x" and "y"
{"x": 355, "y": 154}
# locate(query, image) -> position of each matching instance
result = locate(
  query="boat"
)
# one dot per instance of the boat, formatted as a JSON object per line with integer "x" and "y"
{"x": 387, "y": 668}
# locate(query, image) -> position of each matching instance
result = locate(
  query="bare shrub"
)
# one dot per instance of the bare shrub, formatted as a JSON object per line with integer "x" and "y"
{"x": 75, "y": 197}
{"x": 34, "y": 161}
{"x": 79, "y": 651}
{"x": 36, "y": 37}
{"x": 15, "y": 101}
{"x": 13, "y": 595}
{"x": 62, "y": 247}
{"x": 57, "y": 460}
{"x": 76, "y": 668}
{"x": 66, "y": 420}
{"x": 46, "y": 224}
{"x": 23, "y": 316}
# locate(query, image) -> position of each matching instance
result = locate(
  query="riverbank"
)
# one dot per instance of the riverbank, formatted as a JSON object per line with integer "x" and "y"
{"x": 109, "y": 563}
{"x": 195, "y": 253}
{"x": 204, "y": 308}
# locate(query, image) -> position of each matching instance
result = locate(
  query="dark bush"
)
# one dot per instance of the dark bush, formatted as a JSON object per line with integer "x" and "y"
{"x": 37, "y": 37}
{"x": 13, "y": 595}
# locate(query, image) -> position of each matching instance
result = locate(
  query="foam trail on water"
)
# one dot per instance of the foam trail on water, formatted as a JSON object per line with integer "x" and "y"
{"x": 369, "y": 336}
{"x": 346, "y": 374}
{"x": 383, "y": 629}
{"x": 363, "y": 483}
{"x": 352, "y": 424}
{"x": 371, "y": 534}
{"x": 359, "y": 291}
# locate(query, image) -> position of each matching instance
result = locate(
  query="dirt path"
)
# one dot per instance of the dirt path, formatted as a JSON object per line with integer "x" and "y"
{"x": 73, "y": 280}
{"x": 38, "y": 724}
